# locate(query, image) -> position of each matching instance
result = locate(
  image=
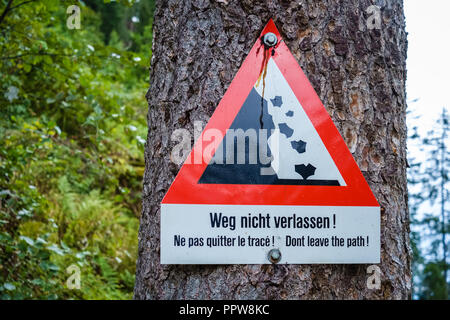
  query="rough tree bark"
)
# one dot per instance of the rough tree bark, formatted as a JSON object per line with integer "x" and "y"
{"x": 360, "y": 76}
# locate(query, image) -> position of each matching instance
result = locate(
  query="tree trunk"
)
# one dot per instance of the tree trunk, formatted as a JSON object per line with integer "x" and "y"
{"x": 358, "y": 72}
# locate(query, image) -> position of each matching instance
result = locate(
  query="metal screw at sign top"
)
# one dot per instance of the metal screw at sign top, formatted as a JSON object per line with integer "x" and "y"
{"x": 274, "y": 256}
{"x": 270, "y": 39}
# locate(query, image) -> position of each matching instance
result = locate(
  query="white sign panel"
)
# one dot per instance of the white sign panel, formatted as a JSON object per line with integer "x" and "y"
{"x": 221, "y": 234}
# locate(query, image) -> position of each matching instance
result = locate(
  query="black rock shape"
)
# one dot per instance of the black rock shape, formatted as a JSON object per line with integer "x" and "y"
{"x": 299, "y": 146}
{"x": 277, "y": 101}
{"x": 305, "y": 171}
{"x": 248, "y": 118}
{"x": 286, "y": 130}
{"x": 289, "y": 113}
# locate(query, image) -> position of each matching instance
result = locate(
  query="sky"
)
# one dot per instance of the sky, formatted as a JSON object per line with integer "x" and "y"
{"x": 428, "y": 62}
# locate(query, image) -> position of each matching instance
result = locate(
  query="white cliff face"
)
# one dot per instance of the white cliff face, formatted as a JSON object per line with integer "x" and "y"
{"x": 295, "y": 141}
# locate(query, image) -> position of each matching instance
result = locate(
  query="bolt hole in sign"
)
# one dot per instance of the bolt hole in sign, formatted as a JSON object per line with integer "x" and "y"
{"x": 275, "y": 182}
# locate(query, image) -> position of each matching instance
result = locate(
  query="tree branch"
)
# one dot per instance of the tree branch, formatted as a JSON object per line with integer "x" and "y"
{"x": 21, "y": 4}
{"x": 36, "y": 54}
{"x": 5, "y": 12}
{"x": 9, "y": 8}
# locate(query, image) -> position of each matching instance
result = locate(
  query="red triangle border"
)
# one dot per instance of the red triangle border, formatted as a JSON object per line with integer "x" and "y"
{"x": 186, "y": 190}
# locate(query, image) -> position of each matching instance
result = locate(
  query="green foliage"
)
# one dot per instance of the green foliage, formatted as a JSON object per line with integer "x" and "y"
{"x": 73, "y": 130}
{"x": 433, "y": 285}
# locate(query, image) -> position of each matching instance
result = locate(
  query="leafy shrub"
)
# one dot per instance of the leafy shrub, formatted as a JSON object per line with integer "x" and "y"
{"x": 72, "y": 130}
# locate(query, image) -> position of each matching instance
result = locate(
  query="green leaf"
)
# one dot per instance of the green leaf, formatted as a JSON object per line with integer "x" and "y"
{"x": 29, "y": 241}
{"x": 12, "y": 93}
{"x": 56, "y": 249}
{"x": 9, "y": 286}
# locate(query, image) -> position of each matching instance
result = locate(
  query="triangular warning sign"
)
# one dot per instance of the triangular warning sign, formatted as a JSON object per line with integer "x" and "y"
{"x": 270, "y": 180}
{"x": 271, "y": 141}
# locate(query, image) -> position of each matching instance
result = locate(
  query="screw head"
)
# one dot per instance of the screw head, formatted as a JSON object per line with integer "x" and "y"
{"x": 270, "y": 39}
{"x": 274, "y": 256}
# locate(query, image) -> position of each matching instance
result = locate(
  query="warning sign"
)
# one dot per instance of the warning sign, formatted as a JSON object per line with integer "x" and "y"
{"x": 276, "y": 183}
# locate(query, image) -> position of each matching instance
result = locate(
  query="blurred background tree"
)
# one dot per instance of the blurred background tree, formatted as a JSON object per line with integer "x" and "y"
{"x": 428, "y": 179}
{"x": 72, "y": 128}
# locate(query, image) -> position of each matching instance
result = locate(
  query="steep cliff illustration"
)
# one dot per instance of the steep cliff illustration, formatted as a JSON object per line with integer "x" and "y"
{"x": 272, "y": 141}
